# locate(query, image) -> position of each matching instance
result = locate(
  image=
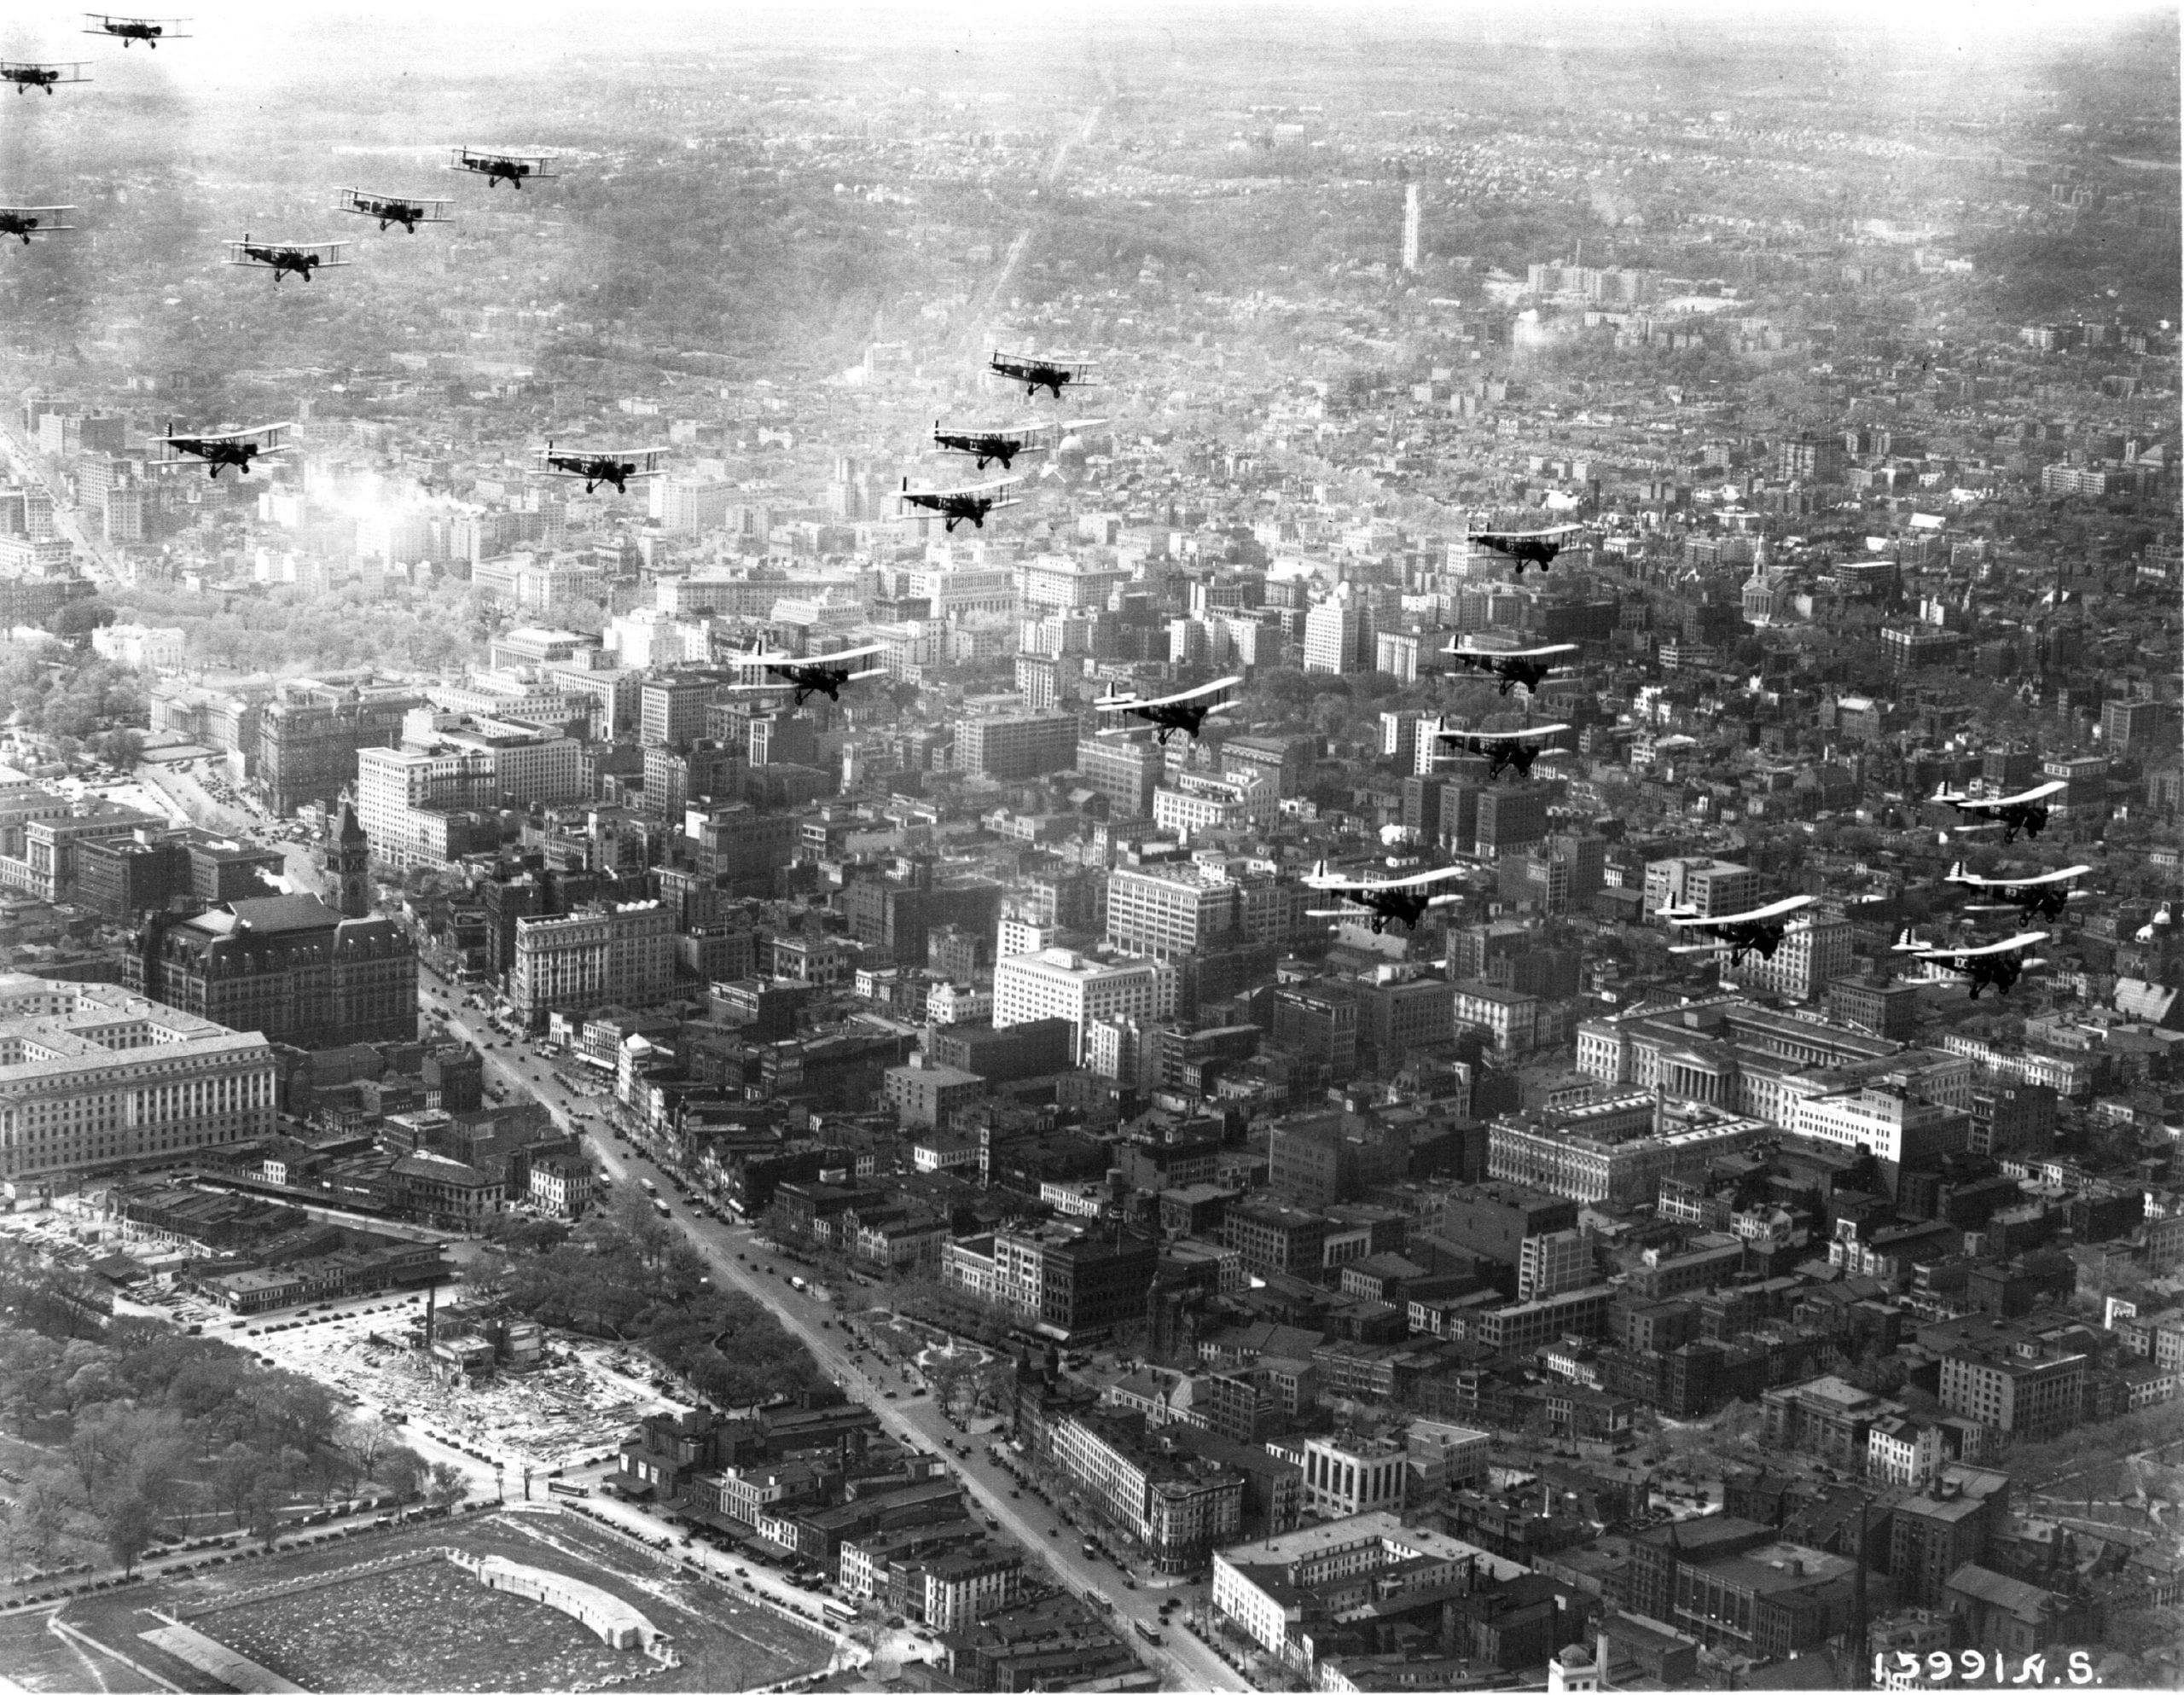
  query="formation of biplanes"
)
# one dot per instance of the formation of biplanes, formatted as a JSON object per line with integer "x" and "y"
{"x": 1759, "y": 931}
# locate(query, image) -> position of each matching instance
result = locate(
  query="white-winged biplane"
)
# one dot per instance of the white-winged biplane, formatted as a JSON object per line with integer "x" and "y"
{"x": 1526, "y": 547}
{"x": 821, "y": 673}
{"x": 1997, "y": 966}
{"x": 515, "y": 169}
{"x": 1407, "y": 898}
{"x": 219, "y": 450}
{"x": 407, "y": 209}
{"x": 1759, "y": 931}
{"x": 973, "y": 502}
{"x": 131, "y": 30}
{"x": 1528, "y": 666}
{"x": 286, "y": 258}
{"x": 23, "y": 222}
{"x": 1167, "y": 713}
{"x": 2026, "y": 811}
{"x": 1506, "y": 750}
{"x": 1001, "y": 443}
{"x": 1037, "y": 371}
{"x": 28, "y": 73}
{"x": 611, "y": 465}
{"x": 2043, "y": 897}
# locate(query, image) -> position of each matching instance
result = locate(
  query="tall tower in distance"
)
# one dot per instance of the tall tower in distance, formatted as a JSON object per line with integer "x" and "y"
{"x": 348, "y": 862}
{"x": 1411, "y": 209}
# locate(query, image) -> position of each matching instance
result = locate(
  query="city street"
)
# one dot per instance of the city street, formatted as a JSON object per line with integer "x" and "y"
{"x": 919, "y": 1422}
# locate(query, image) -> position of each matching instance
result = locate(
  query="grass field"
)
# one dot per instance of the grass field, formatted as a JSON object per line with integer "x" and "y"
{"x": 397, "y": 1631}
{"x": 417, "y": 1628}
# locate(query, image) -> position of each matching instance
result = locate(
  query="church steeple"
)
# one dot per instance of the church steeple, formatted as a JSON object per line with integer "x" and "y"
{"x": 348, "y": 862}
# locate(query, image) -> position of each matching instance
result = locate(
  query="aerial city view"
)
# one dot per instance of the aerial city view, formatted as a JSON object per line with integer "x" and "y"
{"x": 1326, "y": 846}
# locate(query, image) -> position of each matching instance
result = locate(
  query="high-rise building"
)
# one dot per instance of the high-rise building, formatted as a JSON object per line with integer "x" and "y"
{"x": 308, "y": 738}
{"x": 615, "y": 954}
{"x": 1412, "y": 211}
{"x": 1509, "y": 820}
{"x": 99, "y": 1077}
{"x": 1011, "y": 749}
{"x": 1711, "y": 886}
{"x": 1332, "y": 634}
{"x": 1125, "y": 769}
{"x": 671, "y": 709}
{"x": 1170, "y": 912}
{"x": 1057, "y": 983}
{"x": 1807, "y": 959}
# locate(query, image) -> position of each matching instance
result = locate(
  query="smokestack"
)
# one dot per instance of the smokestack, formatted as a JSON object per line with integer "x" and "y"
{"x": 1411, "y": 211}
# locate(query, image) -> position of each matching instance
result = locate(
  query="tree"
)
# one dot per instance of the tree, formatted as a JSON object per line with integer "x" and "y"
{"x": 262, "y": 1511}
{"x": 50, "y": 1497}
{"x": 402, "y": 1469}
{"x": 236, "y": 1480}
{"x": 130, "y": 1521}
{"x": 121, "y": 748}
{"x": 447, "y": 1485}
{"x": 365, "y": 1441}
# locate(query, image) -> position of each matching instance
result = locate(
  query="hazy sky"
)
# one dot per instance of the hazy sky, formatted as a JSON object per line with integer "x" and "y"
{"x": 238, "y": 48}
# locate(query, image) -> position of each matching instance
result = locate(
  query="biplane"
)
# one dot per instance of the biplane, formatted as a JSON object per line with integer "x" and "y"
{"x": 2027, "y": 811}
{"x": 515, "y": 169}
{"x": 823, "y": 674}
{"x": 1997, "y": 966}
{"x": 974, "y": 502}
{"x": 219, "y": 450}
{"x": 1526, "y": 547}
{"x": 1528, "y": 666}
{"x": 1759, "y": 931}
{"x": 131, "y": 30}
{"x": 407, "y": 209}
{"x": 1036, "y": 372}
{"x": 286, "y": 258}
{"x": 23, "y": 222}
{"x": 27, "y": 74}
{"x": 1507, "y": 750}
{"x": 1167, "y": 713}
{"x": 611, "y": 465}
{"x": 2043, "y": 897}
{"x": 1405, "y": 899}
{"x": 1001, "y": 443}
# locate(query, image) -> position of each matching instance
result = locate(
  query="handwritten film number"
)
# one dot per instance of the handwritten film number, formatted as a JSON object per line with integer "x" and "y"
{"x": 1976, "y": 1667}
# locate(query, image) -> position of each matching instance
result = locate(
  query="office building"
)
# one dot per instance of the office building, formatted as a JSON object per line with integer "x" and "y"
{"x": 1345, "y": 1476}
{"x": 1178, "y": 1504}
{"x": 310, "y": 736}
{"x": 1057, "y": 983}
{"x": 97, "y": 1076}
{"x": 426, "y": 805}
{"x": 1011, "y": 749}
{"x": 1125, "y": 769}
{"x": 1615, "y": 1149}
{"x": 1170, "y": 912}
{"x": 1333, "y": 635}
{"x": 671, "y": 709}
{"x": 1711, "y": 886}
{"x": 614, "y": 953}
{"x": 1810, "y": 957}
{"x": 1552, "y": 1264}
{"x": 289, "y": 966}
